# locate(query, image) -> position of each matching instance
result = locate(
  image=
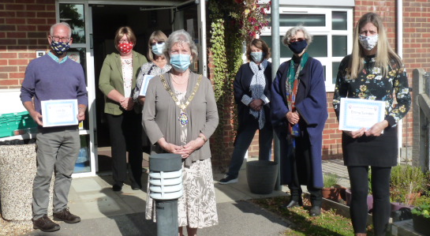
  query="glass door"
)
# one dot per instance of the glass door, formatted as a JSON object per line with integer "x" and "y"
{"x": 78, "y": 16}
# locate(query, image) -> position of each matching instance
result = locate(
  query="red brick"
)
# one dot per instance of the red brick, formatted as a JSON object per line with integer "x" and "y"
{"x": 3, "y": 62}
{"x": 26, "y": 55}
{"x": 35, "y": 7}
{"x": 36, "y": 21}
{"x": 4, "y": 75}
{"x": 8, "y": 41}
{"x": 37, "y": 34}
{"x": 7, "y": 14}
{"x": 7, "y": 27}
{"x": 9, "y": 82}
{"x": 46, "y": 14}
{"x": 43, "y": 28}
{"x": 17, "y": 75}
{"x": 26, "y": 14}
{"x": 22, "y": 68}
{"x": 2, "y": 35}
{"x": 8, "y": 69}
{"x": 8, "y": 55}
{"x": 26, "y": 28}
{"x": 14, "y": 7}
{"x": 1, "y": 6}
{"x": 16, "y": 47}
{"x": 27, "y": 41}
{"x": 24, "y": 1}
{"x": 16, "y": 35}
{"x": 46, "y": 1}
{"x": 17, "y": 62}
{"x": 50, "y": 7}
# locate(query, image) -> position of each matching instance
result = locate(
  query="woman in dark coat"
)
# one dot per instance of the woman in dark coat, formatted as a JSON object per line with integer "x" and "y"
{"x": 252, "y": 96}
{"x": 299, "y": 113}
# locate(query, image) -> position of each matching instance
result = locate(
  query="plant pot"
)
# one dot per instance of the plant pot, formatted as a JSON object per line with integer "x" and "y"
{"x": 421, "y": 224}
{"x": 331, "y": 193}
{"x": 400, "y": 212}
{"x": 261, "y": 176}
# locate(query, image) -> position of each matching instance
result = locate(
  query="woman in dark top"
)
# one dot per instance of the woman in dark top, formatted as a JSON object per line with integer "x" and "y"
{"x": 299, "y": 113}
{"x": 373, "y": 72}
{"x": 252, "y": 96}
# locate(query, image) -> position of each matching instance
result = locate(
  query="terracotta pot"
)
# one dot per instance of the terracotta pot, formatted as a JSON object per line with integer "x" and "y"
{"x": 331, "y": 194}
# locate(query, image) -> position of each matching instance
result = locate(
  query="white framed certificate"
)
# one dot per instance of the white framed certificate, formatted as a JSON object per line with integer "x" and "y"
{"x": 360, "y": 113}
{"x": 59, "y": 112}
{"x": 145, "y": 82}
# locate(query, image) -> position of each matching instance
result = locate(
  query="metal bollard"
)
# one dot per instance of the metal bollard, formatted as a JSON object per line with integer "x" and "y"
{"x": 165, "y": 185}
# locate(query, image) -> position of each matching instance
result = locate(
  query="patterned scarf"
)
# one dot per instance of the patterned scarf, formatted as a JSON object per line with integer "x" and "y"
{"x": 258, "y": 83}
{"x": 292, "y": 86}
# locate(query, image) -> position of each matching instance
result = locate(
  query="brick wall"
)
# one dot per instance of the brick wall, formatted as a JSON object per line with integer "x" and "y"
{"x": 24, "y": 25}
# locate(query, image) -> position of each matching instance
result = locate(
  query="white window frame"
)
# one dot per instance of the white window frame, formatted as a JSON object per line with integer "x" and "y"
{"x": 326, "y": 31}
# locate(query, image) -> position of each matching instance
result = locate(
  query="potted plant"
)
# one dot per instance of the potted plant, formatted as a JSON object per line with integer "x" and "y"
{"x": 421, "y": 218}
{"x": 331, "y": 189}
{"x": 406, "y": 185}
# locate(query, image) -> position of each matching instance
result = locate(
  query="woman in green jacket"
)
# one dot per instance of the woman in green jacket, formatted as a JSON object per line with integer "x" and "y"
{"x": 117, "y": 82}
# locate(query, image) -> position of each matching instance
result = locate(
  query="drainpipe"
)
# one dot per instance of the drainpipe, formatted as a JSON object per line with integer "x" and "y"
{"x": 276, "y": 52}
{"x": 400, "y": 53}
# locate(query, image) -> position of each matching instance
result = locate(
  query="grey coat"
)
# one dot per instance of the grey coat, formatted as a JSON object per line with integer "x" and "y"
{"x": 160, "y": 115}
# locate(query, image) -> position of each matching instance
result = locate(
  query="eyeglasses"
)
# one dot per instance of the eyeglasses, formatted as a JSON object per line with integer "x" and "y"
{"x": 62, "y": 39}
{"x": 160, "y": 42}
{"x": 296, "y": 40}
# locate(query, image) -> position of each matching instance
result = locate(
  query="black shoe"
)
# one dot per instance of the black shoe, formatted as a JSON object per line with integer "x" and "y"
{"x": 117, "y": 187}
{"x": 66, "y": 216}
{"x": 45, "y": 224}
{"x": 315, "y": 211}
{"x": 228, "y": 180}
{"x": 136, "y": 186}
{"x": 294, "y": 203}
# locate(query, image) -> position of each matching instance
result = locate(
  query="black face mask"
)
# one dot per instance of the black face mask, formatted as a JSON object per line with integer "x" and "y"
{"x": 298, "y": 46}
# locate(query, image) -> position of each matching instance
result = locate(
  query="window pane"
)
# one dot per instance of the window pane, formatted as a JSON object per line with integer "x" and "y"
{"x": 302, "y": 19}
{"x": 335, "y": 69}
{"x": 285, "y": 51}
{"x": 339, "y": 46}
{"x": 339, "y": 20}
{"x": 74, "y": 15}
{"x": 318, "y": 47}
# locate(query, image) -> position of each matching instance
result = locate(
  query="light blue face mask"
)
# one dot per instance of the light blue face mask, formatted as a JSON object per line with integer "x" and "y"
{"x": 180, "y": 62}
{"x": 257, "y": 57}
{"x": 158, "y": 49}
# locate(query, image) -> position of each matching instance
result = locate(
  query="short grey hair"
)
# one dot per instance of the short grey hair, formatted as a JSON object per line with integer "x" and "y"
{"x": 51, "y": 31}
{"x": 180, "y": 36}
{"x": 293, "y": 31}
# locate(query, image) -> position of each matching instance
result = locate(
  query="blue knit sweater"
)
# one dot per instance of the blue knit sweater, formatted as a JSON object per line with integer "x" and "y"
{"x": 46, "y": 79}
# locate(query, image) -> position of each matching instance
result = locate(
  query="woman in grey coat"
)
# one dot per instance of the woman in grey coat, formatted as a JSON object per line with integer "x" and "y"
{"x": 179, "y": 116}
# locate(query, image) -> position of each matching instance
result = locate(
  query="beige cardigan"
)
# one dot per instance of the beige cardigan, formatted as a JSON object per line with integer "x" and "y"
{"x": 160, "y": 115}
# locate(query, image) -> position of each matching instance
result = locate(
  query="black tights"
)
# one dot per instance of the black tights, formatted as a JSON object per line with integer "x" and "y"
{"x": 358, "y": 176}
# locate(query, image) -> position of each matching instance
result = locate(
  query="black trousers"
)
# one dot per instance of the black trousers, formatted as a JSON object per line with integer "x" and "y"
{"x": 358, "y": 176}
{"x": 302, "y": 172}
{"x": 126, "y": 135}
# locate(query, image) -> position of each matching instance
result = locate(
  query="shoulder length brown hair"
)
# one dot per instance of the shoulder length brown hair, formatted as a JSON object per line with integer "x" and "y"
{"x": 384, "y": 52}
{"x": 260, "y": 44}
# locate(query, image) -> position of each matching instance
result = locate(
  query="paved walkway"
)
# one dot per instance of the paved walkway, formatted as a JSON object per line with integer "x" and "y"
{"x": 106, "y": 213}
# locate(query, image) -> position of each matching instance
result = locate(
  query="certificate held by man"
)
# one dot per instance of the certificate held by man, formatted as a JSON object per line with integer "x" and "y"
{"x": 360, "y": 113}
{"x": 60, "y": 112}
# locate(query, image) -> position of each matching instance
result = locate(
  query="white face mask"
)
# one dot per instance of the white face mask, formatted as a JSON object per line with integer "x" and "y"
{"x": 368, "y": 42}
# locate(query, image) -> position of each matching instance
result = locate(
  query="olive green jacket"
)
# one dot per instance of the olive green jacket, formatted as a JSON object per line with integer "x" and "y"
{"x": 111, "y": 78}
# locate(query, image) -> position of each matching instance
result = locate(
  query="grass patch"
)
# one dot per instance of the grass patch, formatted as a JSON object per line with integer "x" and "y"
{"x": 328, "y": 224}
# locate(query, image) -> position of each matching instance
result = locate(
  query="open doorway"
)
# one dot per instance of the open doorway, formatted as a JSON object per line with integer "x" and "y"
{"x": 106, "y": 20}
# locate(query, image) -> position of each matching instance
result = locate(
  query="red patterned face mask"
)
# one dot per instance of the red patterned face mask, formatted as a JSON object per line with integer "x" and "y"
{"x": 125, "y": 48}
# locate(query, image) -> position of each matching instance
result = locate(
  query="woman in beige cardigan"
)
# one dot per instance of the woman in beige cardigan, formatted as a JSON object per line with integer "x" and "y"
{"x": 179, "y": 116}
{"x": 117, "y": 82}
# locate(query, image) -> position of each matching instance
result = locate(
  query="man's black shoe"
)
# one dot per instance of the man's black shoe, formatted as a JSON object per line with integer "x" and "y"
{"x": 45, "y": 224}
{"x": 66, "y": 216}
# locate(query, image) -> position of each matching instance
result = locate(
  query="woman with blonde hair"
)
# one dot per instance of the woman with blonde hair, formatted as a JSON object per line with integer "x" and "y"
{"x": 372, "y": 72}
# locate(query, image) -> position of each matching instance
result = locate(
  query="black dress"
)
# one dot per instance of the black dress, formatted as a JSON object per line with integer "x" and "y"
{"x": 378, "y": 151}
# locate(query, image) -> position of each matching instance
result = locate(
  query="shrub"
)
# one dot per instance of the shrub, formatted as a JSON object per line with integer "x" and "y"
{"x": 407, "y": 183}
{"x": 330, "y": 180}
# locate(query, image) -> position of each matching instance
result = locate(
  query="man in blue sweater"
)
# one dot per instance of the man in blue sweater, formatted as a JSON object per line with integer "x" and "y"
{"x": 54, "y": 77}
